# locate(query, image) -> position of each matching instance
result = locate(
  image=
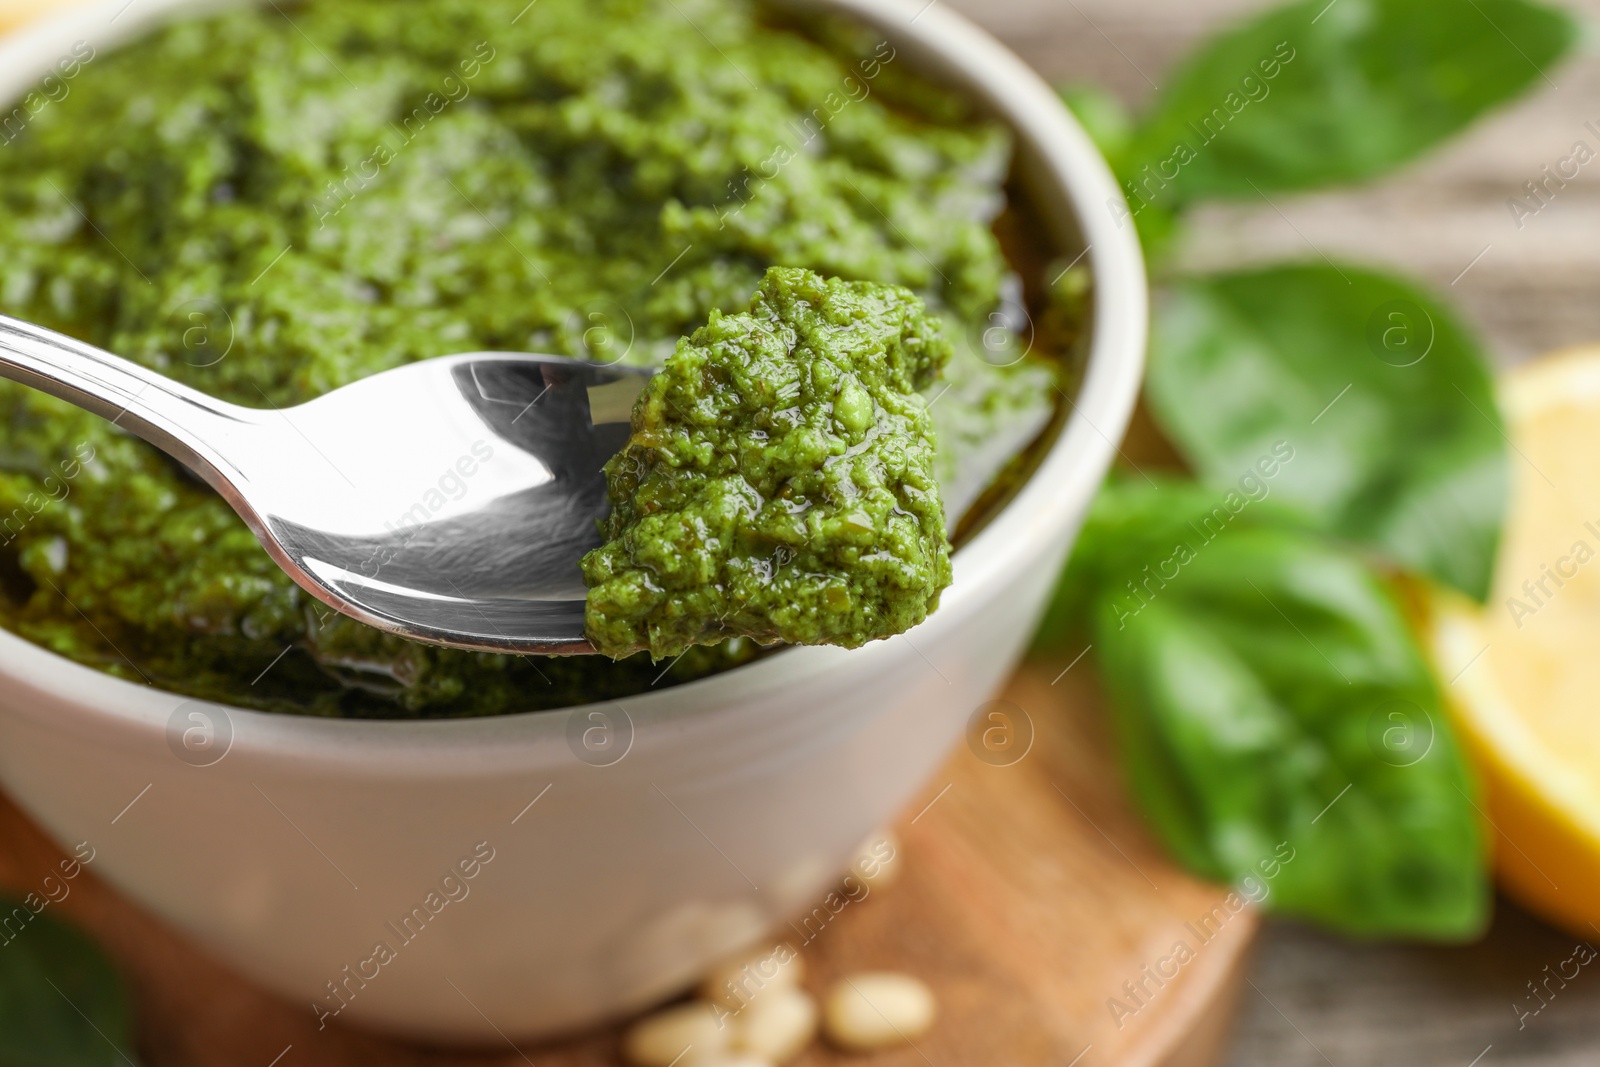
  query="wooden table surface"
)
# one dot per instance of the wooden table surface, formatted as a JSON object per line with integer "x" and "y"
{"x": 1332, "y": 1002}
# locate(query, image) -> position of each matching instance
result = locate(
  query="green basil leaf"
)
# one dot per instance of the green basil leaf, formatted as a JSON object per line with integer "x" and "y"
{"x": 62, "y": 1003}
{"x": 1384, "y": 397}
{"x": 1123, "y": 531}
{"x": 1318, "y": 92}
{"x": 1109, "y": 125}
{"x": 1279, "y": 725}
{"x": 1102, "y": 116}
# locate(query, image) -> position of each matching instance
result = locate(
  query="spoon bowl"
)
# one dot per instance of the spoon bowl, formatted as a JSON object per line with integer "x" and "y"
{"x": 447, "y": 501}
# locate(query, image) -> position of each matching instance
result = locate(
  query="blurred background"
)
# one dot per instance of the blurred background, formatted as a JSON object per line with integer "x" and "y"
{"x": 1444, "y": 222}
{"x": 1532, "y": 291}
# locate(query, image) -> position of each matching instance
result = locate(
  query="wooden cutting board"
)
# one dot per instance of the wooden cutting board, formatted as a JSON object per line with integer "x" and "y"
{"x": 1027, "y": 896}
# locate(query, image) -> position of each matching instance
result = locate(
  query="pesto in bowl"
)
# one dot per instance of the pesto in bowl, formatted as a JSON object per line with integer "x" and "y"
{"x": 267, "y": 204}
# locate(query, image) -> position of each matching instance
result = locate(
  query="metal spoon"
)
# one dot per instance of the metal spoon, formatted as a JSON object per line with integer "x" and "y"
{"x": 447, "y": 501}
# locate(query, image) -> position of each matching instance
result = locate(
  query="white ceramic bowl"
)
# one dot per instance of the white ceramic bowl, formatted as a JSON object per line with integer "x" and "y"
{"x": 734, "y": 804}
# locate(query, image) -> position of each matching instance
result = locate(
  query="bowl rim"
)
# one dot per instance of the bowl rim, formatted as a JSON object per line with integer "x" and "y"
{"x": 1047, "y": 503}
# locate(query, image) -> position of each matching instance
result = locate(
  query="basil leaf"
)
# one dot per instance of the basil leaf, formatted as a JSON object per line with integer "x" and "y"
{"x": 62, "y": 1003}
{"x": 1102, "y": 116}
{"x": 1319, "y": 93}
{"x": 1124, "y": 528}
{"x": 1279, "y": 725}
{"x": 1384, "y": 397}
{"x": 1109, "y": 125}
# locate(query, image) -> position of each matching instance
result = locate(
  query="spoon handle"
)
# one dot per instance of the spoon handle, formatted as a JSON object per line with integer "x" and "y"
{"x": 175, "y": 418}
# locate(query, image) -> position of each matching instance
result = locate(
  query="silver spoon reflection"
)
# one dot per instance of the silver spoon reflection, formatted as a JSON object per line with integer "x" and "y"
{"x": 447, "y": 501}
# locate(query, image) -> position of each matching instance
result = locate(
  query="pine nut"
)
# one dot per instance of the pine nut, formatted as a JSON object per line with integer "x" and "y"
{"x": 736, "y": 982}
{"x": 689, "y": 1031}
{"x": 777, "y": 1025}
{"x": 877, "y": 860}
{"x": 878, "y": 1010}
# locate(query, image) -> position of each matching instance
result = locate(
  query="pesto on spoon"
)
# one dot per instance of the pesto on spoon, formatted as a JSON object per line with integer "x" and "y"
{"x": 779, "y": 481}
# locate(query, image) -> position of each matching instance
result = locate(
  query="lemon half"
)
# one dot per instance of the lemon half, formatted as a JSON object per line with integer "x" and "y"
{"x": 1521, "y": 674}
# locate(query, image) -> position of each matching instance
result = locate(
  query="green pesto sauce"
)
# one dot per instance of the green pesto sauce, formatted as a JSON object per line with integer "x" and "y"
{"x": 267, "y": 209}
{"x": 779, "y": 480}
